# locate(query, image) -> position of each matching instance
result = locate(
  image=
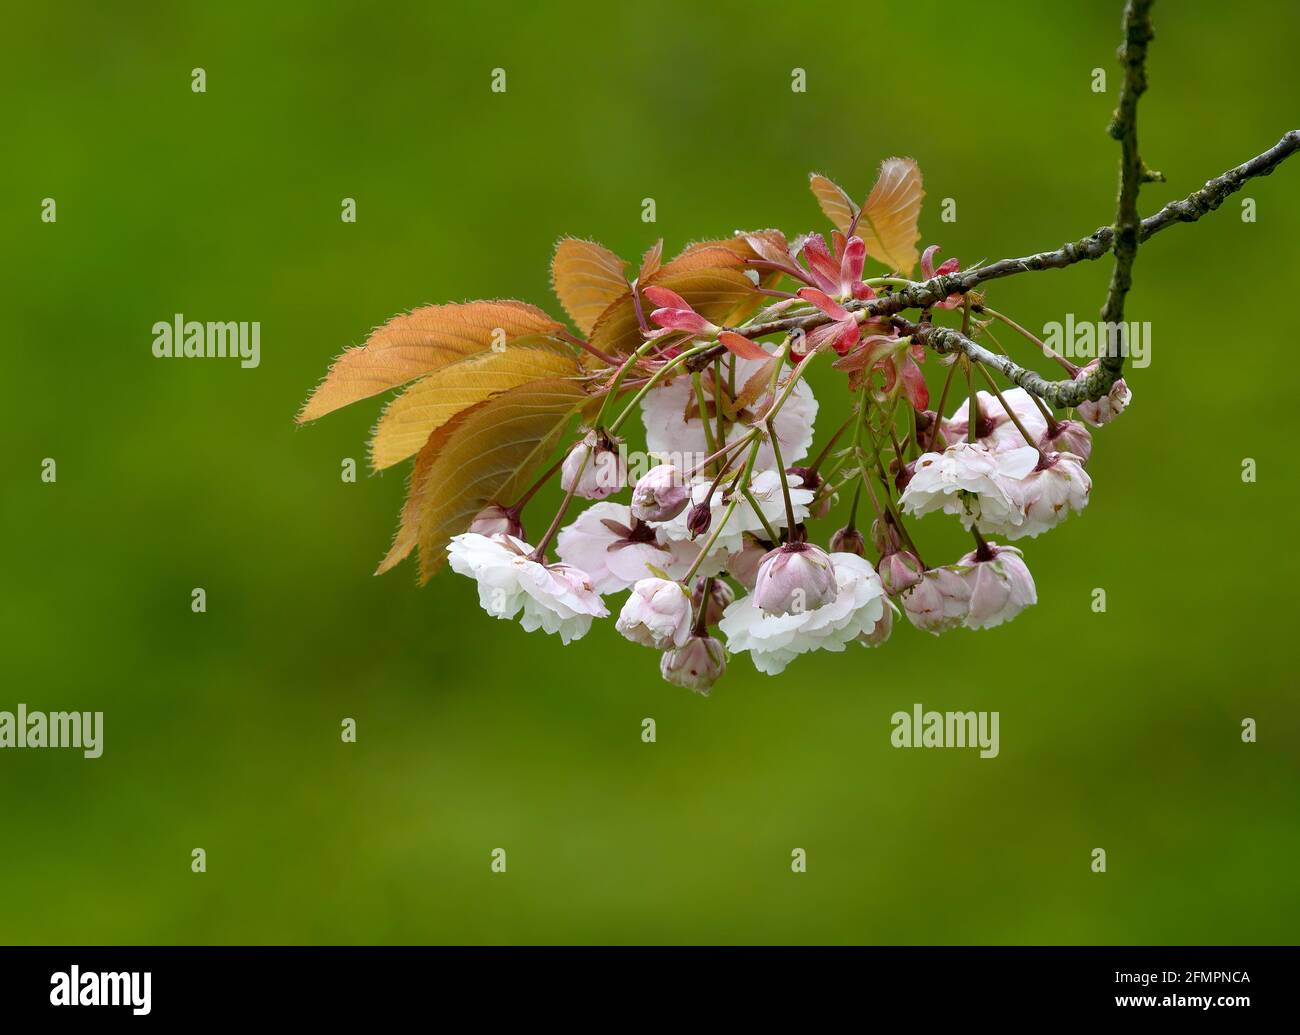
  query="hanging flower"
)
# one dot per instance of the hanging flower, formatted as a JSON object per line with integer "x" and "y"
{"x": 1104, "y": 410}
{"x": 970, "y": 480}
{"x": 774, "y": 641}
{"x": 557, "y": 598}
{"x": 1069, "y": 436}
{"x": 696, "y": 665}
{"x": 939, "y": 602}
{"x": 1045, "y": 496}
{"x": 595, "y": 468}
{"x": 660, "y": 494}
{"x": 1000, "y": 586}
{"x": 614, "y": 548}
{"x": 657, "y": 614}
{"x": 793, "y": 578}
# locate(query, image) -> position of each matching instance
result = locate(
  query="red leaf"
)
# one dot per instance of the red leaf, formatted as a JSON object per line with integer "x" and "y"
{"x": 741, "y": 346}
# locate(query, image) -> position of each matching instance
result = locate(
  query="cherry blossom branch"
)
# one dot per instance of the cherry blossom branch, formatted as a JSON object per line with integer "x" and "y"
{"x": 925, "y": 293}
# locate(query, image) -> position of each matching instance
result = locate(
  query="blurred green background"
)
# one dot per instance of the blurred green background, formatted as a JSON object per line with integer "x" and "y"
{"x": 1118, "y": 730}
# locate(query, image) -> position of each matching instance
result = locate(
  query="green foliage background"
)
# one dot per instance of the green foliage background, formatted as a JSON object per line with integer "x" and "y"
{"x": 1119, "y": 730}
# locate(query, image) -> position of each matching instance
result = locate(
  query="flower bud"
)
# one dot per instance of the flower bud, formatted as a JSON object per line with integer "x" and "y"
{"x": 902, "y": 473}
{"x": 795, "y": 578}
{"x": 497, "y": 520}
{"x": 720, "y": 595}
{"x": 696, "y": 665}
{"x": 601, "y": 474}
{"x": 1000, "y": 586}
{"x": 823, "y": 498}
{"x": 698, "y": 519}
{"x": 940, "y": 601}
{"x": 849, "y": 540}
{"x": 1071, "y": 437}
{"x": 1104, "y": 410}
{"x": 661, "y": 494}
{"x": 900, "y": 571}
{"x": 657, "y": 613}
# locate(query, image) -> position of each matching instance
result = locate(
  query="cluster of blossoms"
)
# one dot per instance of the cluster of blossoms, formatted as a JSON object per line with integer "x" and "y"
{"x": 711, "y": 541}
{"x": 716, "y": 557}
{"x": 685, "y": 537}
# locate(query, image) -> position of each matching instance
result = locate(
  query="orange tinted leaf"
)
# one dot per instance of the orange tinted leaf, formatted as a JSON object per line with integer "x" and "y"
{"x": 586, "y": 277}
{"x": 408, "y": 530}
{"x": 712, "y": 292}
{"x": 704, "y": 255}
{"x": 651, "y": 260}
{"x": 890, "y": 217}
{"x": 419, "y": 342}
{"x": 490, "y": 456}
{"x": 837, "y": 205}
{"x": 433, "y": 400}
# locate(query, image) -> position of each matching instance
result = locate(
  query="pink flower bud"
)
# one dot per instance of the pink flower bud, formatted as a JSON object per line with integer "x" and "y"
{"x": 657, "y": 613}
{"x": 849, "y": 540}
{"x": 661, "y": 494}
{"x": 938, "y": 602}
{"x": 720, "y": 595}
{"x": 1071, "y": 437}
{"x": 698, "y": 519}
{"x": 902, "y": 473}
{"x": 1104, "y": 410}
{"x": 793, "y": 579}
{"x": 697, "y": 665}
{"x": 1000, "y": 586}
{"x": 497, "y": 520}
{"x": 601, "y": 474}
{"x": 900, "y": 571}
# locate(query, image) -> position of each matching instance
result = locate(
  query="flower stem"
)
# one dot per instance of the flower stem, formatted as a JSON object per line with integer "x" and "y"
{"x": 726, "y": 516}
{"x": 1043, "y": 408}
{"x": 938, "y": 413}
{"x": 697, "y": 383}
{"x": 539, "y": 554}
{"x": 654, "y": 379}
{"x": 1010, "y": 413}
{"x": 1047, "y": 350}
{"x": 701, "y": 627}
{"x": 535, "y": 486}
{"x": 973, "y": 412}
{"x": 773, "y": 536}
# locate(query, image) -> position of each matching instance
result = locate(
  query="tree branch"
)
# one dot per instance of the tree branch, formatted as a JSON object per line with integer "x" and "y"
{"x": 946, "y": 340}
{"x": 1132, "y": 172}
